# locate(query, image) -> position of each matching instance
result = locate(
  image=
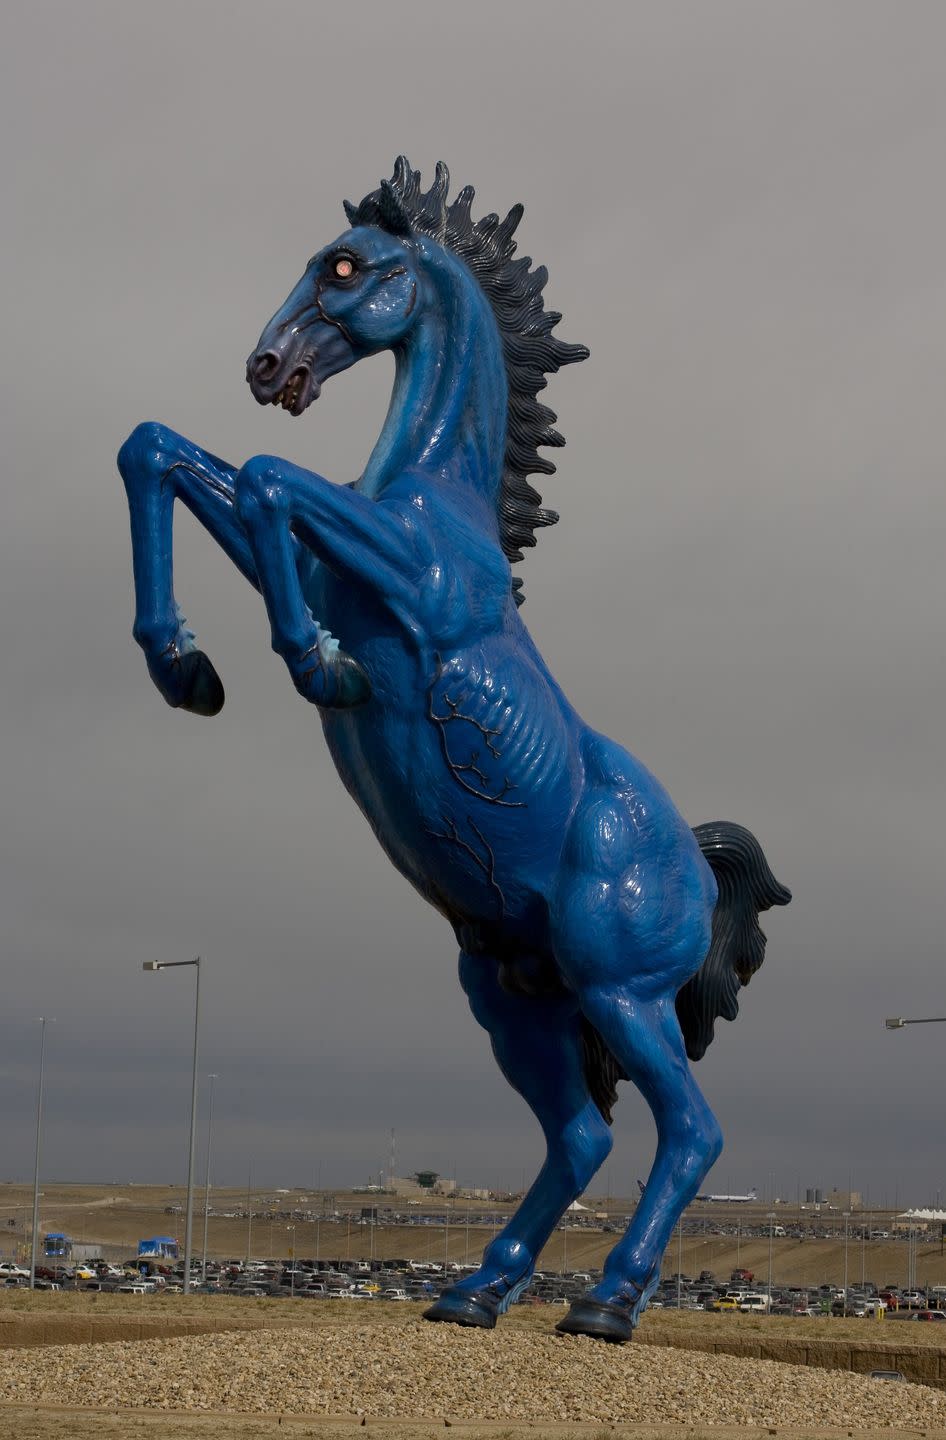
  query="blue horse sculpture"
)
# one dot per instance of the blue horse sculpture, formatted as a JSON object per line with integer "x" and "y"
{"x": 600, "y": 936}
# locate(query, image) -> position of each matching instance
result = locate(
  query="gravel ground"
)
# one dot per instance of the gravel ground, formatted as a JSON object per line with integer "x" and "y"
{"x": 419, "y": 1371}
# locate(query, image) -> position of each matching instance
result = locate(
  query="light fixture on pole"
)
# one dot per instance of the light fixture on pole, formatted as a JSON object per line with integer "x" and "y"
{"x": 210, "y": 1131}
{"x": 39, "y": 1129}
{"x": 189, "y": 1221}
{"x": 897, "y": 1022}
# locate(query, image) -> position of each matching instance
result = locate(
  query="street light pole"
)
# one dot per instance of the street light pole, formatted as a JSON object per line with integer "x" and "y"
{"x": 771, "y": 1219}
{"x": 679, "y": 1260}
{"x": 189, "y": 1221}
{"x": 847, "y": 1218}
{"x": 39, "y": 1127}
{"x": 897, "y": 1022}
{"x": 249, "y": 1216}
{"x": 210, "y": 1131}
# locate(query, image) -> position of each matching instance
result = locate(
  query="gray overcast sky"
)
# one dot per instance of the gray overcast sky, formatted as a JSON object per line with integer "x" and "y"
{"x": 742, "y": 209}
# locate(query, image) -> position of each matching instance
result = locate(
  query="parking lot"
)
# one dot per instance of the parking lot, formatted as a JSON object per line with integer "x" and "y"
{"x": 364, "y": 1281}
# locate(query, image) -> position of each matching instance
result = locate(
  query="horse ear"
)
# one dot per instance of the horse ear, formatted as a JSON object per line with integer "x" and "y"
{"x": 351, "y": 211}
{"x": 391, "y": 213}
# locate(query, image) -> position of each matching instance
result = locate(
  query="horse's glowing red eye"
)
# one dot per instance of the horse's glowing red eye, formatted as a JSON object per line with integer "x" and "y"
{"x": 344, "y": 269}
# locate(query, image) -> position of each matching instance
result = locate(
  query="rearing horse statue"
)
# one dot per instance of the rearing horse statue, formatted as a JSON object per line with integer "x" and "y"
{"x": 600, "y": 936}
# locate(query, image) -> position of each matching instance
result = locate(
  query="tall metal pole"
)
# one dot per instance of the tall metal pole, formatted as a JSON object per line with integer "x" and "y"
{"x": 39, "y": 1128}
{"x": 189, "y": 1221}
{"x": 679, "y": 1260}
{"x": 189, "y": 1224}
{"x": 847, "y": 1221}
{"x": 210, "y": 1131}
{"x": 249, "y": 1214}
{"x": 863, "y": 1255}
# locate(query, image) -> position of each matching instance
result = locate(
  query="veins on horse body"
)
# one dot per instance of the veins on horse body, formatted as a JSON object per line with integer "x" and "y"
{"x": 487, "y": 864}
{"x": 472, "y": 767}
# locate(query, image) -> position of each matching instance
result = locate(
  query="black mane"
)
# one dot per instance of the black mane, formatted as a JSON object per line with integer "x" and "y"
{"x": 514, "y": 292}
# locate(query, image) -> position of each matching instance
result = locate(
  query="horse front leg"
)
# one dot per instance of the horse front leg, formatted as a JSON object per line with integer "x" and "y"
{"x": 356, "y": 537}
{"x": 159, "y": 467}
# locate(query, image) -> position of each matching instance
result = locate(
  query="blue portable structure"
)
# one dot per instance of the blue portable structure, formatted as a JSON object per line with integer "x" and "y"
{"x": 159, "y": 1247}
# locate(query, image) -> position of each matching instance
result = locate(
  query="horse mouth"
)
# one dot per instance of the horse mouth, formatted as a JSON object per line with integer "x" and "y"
{"x": 298, "y": 392}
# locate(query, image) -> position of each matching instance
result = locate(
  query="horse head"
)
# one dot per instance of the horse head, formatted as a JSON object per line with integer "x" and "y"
{"x": 357, "y": 296}
{"x": 410, "y": 266}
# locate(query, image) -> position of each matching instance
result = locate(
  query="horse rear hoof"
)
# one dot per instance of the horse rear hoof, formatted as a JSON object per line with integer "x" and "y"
{"x": 199, "y": 685}
{"x": 462, "y": 1310}
{"x": 599, "y": 1320}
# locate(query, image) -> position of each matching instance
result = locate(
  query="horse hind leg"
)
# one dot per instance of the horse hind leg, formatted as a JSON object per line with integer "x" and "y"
{"x": 537, "y": 1042}
{"x": 645, "y": 1037}
{"x": 630, "y": 923}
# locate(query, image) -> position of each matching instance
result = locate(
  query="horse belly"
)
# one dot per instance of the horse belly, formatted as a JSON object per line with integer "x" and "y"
{"x": 469, "y": 799}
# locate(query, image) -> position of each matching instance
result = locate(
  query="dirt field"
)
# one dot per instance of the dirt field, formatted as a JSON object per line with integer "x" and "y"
{"x": 667, "y": 1326}
{"x": 31, "y": 1424}
{"x": 119, "y": 1216}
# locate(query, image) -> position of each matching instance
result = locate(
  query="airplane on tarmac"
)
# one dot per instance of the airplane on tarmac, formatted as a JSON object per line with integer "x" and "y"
{"x": 749, "y": 1199}
{"x": 721, "y": 1199}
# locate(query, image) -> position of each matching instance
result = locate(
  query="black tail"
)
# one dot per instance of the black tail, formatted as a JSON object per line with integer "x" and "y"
{"x": 737, "y": 947}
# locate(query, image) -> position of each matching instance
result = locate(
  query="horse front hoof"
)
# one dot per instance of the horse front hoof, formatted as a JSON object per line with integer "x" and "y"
{"x": 198, "y": 684}
{"x": 599, "y": 1320}
{"x": 460, "y": 1309}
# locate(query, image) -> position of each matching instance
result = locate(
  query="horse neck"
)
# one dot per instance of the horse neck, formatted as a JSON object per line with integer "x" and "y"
{"x": 447, "y": 414}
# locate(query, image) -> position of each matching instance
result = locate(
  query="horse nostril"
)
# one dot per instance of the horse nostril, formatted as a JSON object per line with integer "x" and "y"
{"x": 263, "y": 367}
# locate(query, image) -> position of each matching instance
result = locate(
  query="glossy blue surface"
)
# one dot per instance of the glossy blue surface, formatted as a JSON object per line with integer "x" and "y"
{"x": 581, "y": 900}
